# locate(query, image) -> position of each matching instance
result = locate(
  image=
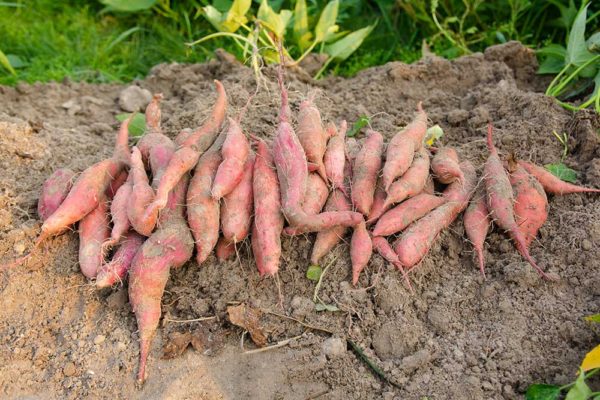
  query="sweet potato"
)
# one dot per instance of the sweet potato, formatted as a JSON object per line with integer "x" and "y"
{"x": 268, "y": 219}
{"x": 551, "y": 183}
{"x": 203, "y": 211}
{"x": 224, "y": 249}
{"x": 416, "y": 241}
{"x": 429, "y": 186}
{"x": 378, "y": 207}
{"x": 93, "y": 231}
{"x": 412, "y": 182}
{"x": 401, "y": 148}
{"x": 361, "y": 249}
{"x": 141, "y": 196}
{"x": 116, "y": 183}
{"x": 311, "y": 134}
{"x": 186, "y": 157}
{"x": 531, "y": 204}
{"x": 381, "y": 246}
{"x": 401, "y": 216}
{"x": 54, "y": 191}
{"x": 335, "y": 156}
{"x": 118, "y": 212}
{"x": 365, "y": 171}
{"x": 500, "y": 201}
{"x": 116, "y": 270}
{"x": 327, "y": 239}
{"x": 235, "y": 152}
{"x": 314, "y": 200}
{"x": 445, "y": 165}
{"x": 237, "y": 207}
{"x": 477, "y": 223}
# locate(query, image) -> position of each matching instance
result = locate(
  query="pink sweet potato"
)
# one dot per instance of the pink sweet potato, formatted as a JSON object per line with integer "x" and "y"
{"x": 235, "y": 152}
{"x": 268, "y": 219}
{"x": 116, "y": 270}
{"x": 224, "y": 249}
{"x": 203, "y": 211}
{"x": 365, "y": 171}
{"x": 477, "y": 223}
{"x": 327, "y": 239}
{"x": 531, "y": 204}
{"x": 551, "y": 183}
{"x": 378, "y": 207}
{"x": 54, "y": 191}
{"x": 412, "y": 182}
{"x": 335, "y": 156}
{"x": 416, "y": 241}
{"x": 500, "y": 201}
{"x": 381, "y": 246}
{"x": 401, "y": 216}
{"x": 316, "y": 194}
{"x": 429, "y": 186}
{"x": 361, "y": 249}
{"x": 401, "y": 148}
{"x": 186, "y": 157}
{"x": 237, "y": 207}
{"x": 118, "y": 212}
{"x": 445, "y": 165}
{"x": 116, "y": 183}
{"x": 140, "y": 197}
{"x": 93, "y": 231}
{"x": 311, "y": 134}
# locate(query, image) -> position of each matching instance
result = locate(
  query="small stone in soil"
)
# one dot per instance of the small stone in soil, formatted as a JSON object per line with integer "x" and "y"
{"x": 99, "y": 339}
{"x": 334, "y": 347}
{"x": 69, "y": 369}
{"x": 134, "y": 98}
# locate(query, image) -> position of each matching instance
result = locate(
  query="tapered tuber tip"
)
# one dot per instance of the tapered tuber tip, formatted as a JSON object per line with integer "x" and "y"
{"x": 490, "y": 141}
{"x": 420, "y": 107}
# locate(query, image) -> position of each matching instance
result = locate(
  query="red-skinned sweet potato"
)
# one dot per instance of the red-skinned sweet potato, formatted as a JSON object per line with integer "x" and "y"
{"x": 54, "y": 191}
{"x": 365, "y": 170}
{"x": 237, "y": 207}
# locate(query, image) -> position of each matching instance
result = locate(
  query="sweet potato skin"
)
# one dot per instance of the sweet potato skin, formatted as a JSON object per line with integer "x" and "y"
{"x": 268, "y": 218}
{"x": 531, "y": 204}
{"x": 365, "y": 171}
{"x": 140, "y": 197}
{"x": 551, "y": 183}
{"x": 118, "y": 212}
{"x": 401, "y": 216}
{"x": 235, "y": 152}
{"x": 378, "y": 208}
{"x": 412, "y": 182}
{"x": 327, "y": 239}
{"x": 116, "y": 270}
{"x": 445, "y": 165}
{"x": 335, "y": 157}
{"x": 224, "y": 249}
{"x": 237, "y": 207}
{"x": 93, "y": 232}
{"x": 477, "y": 223}
{"x": 383, "y": 248}
{"x": 54, "y": 190}
{"x": 311, "y": 134}
{"x": 361, "y": 249}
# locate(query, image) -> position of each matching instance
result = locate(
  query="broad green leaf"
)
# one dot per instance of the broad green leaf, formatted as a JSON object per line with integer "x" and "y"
{"x": 344, "y": 47}
{"x": 129, "y": 5}
{"x": 326, "y": 23}
{"x": 562, "y": 172}
{"x": 500, "y": 36}
{"x": 541, "y": 391}
{"x": 580, "y": 390}
{"x": 276, "y": 23}
{"x": 567, "y": 14}
{"x": 6, "y": 63}
{"x": 214, "y": 16}
{"x": 592, "y": 318}
{"x": 593, "y": 43}
{"x": 433, "y": 134}
{"x": 551, "y": 65}
{"x": 302, "y": 33}
{"x": 137, "y": 126}
{"x": 577, "y": 52}
{"x": 16, "y": 61}
{"x": 362, "y": 121}
{"x": 592, "y": 359}
{"x": 326, "y": 307}
{"x": 553, "y": 49}
{"x": 236, "y": 16}
{"x": 314, "y": 272}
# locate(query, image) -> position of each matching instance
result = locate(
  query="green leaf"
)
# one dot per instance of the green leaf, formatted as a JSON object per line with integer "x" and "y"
{"x": 344, "y": 47}
{"x": 137, "y": 126}
{"x": 326, "y": 307}
{"x": 129, "y": 5}
{"x": 6, "y": 63}
{"x": 213, "y": 16}
{"x": 314, "y": 272}
{"x": 593, "y": 43}
{"x": 553, "y": 49}
{"x": 433, "y": 134}
{"x": 276, "y": 23}
{"x": 577, "y": 52}
{"x": 326, "y": 25}
{"x": 236, "y": 16}
{"x": 593, "y": 318}
{"x": 302, "y": 33}
{"x": 360, "y": 123}
{"x": 16, "y": 61}
{"x": 500, "y": 36}
{"x": 551, "y": 65}
{"x": 541, "y": 391}
{"x": 562, "y": 172}
{"x": 580, "y": 390}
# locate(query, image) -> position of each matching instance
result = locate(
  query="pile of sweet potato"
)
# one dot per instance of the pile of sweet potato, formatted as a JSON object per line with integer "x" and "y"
{"x": 140, "y": 214}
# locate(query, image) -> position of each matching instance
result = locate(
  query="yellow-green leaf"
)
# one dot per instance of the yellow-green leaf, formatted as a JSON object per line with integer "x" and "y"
{"x": 342, "y": 49}
{"x": 314, "y": 272}
{"x": 327, "y": 21}
{"x": 137, "y": 126}
{"x": 236, "y": 16}
{"x": 301, "y": 32}
{"x": 214, "y": 16}
{"x": 6, "y": 63}
{"x": 593, "y": 318}
{"x": 580, "y": 390}
{"x": 433, "y": 134}
{"x": 591, "y": 359}
{"x": 276, "y": 23}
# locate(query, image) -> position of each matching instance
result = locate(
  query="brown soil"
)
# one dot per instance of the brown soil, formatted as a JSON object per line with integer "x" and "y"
{"x": 456, "y": 337}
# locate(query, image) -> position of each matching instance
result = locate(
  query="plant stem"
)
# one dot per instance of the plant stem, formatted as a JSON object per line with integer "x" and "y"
{"x": 566, "y": 81}
{"x": 556, "y": 78}
{"x": 323, "y": 68}
{"x": 219, "y": 34}
{"x": 307, "y": 52}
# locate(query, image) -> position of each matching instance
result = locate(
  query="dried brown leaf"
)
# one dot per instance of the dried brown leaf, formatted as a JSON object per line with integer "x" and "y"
{"x": 176, "y": 344}
{"x": 248, "y": 318}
